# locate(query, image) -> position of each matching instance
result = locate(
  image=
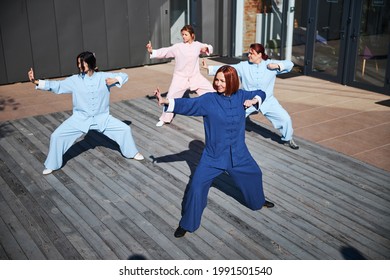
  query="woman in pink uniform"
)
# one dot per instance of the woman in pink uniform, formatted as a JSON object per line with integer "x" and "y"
{"x": 186, "y": 74}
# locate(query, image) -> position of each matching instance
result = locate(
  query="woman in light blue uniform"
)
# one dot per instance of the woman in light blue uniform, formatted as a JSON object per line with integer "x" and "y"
{"x": 259, "y": 72}
{"x": 225, "y": 149}
{"x": 90, "y": 91}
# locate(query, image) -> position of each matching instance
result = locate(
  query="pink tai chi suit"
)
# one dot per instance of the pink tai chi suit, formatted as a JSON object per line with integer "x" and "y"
{"x": 186, "y": 74}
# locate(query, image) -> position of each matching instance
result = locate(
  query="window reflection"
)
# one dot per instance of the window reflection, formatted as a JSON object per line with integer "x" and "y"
{"x": 373, "y": 43}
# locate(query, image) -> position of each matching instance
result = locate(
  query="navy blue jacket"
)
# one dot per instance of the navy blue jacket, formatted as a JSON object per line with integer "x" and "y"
{"x": 224, "y": 124}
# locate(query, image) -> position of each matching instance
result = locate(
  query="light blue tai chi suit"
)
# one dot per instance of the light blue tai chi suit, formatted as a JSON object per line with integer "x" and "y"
{"x": 225, "y": 150}
{"x": 91, "y": 98}
{"x": 258, "y": 76}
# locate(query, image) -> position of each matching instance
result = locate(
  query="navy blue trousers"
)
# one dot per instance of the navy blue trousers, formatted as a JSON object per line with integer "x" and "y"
{"x": 247, "y": 177}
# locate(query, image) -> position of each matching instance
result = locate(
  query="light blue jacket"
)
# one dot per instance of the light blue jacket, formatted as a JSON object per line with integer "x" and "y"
{"x": 258, "y": 76}
{"x": 90, "y": 96}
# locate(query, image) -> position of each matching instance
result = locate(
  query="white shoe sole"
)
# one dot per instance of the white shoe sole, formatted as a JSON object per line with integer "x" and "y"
{"x": 138, "y": 156}
{"x": 47, "y": 171}
{"x": 160, "y": 123}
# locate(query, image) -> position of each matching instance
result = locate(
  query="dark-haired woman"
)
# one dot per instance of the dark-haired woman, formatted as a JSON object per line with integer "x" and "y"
{"x": 223, "y": 114}
{"x": 259, "y": 72}
{"x": 186, "y": 74}
{"x": 90, "y": 91}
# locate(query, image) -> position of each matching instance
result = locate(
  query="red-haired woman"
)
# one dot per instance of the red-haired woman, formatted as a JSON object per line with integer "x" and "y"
{"x": 186, "y": 74}
{"x": 259, "y": 72}
{"x": 223, "y": 115}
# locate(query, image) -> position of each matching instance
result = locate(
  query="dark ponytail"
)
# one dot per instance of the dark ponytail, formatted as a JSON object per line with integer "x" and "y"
{"x": 259, "y": 48}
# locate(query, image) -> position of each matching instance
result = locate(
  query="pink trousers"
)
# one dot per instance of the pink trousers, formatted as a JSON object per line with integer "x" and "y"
{"x": 180, "y": 85}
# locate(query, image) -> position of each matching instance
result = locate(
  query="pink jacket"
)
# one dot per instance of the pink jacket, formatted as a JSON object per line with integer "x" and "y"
{"x": 186, "y": 60}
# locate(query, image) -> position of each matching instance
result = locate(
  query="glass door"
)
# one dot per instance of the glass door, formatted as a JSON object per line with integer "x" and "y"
{"x": 319, "y": 37}
{"x": 345, "y": 41}
{"x": 329, "y": 37}
{"x": 371, "y": 42}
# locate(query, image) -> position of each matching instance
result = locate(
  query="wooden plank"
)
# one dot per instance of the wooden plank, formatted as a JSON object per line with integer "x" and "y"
{"x": 56, "y": 198}
{"x": 3, "y": 254}
{"x": 27, "y": 245}
{"x": 10, "y": 247}
{"x": 119, "y": 200}
{"x": 154, "y": 251}
{"x": 138, "y": 187}
{"x": 32, "y": 226}
{"x": 152, "y": 204}
{"x": 79, "y": 174}
{"x": 101, "y": 205}
{"x": 141, "y": 221}
{"x": 50, "y": 219}
{"x": 174, "y": 138}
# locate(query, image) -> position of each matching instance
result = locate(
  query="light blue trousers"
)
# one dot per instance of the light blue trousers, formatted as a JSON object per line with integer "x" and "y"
{"x": 65, "y": 135}
{"x": 277, "y": 115}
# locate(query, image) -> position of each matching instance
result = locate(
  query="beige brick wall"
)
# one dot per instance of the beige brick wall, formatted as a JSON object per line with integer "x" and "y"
{"x": 251, "y": 8}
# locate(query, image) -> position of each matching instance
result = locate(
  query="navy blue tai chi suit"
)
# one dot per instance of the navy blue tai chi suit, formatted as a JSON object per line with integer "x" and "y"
{"x": 225, "y": 150}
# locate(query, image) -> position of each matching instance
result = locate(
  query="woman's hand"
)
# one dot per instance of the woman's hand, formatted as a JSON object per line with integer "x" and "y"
{"x": 149, "y": 47}
{"x": 204, "y": 64}
{"x": 160, "y": 100}
{"x": 31, "y": 76}
{"x": 111, "y": 81}
{"x": 250, "y": 102}
{"x": 204, "y": 50}
{"x": 273, "y": 66}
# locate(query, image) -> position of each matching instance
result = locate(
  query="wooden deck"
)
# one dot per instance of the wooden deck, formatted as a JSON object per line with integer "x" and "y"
{"x": 103, "y": 206}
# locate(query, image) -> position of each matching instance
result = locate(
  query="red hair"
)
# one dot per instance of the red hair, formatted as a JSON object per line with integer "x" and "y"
{"x": 231, "y": 79}
{"x": 259, "y": 48}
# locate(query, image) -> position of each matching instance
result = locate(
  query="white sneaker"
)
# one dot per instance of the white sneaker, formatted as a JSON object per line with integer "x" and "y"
{"x": 138, "y": 156}
{"x": 160, "y": 123}
{"x": 47, "y": 171}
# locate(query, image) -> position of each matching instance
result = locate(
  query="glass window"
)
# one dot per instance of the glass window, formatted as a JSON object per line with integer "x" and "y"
{"x": 373, "y": 43}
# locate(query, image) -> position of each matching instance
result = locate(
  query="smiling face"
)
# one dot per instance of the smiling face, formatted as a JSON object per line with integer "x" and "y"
{"x": 226, "y": 80}
{"x": 220, "y": 83}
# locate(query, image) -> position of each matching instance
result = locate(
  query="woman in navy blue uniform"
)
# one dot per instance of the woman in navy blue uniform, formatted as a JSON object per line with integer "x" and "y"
{"x": 225, "y": 150}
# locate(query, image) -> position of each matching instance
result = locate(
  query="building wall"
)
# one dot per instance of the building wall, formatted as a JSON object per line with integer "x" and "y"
{"x": 48, "y": 34}
{"x": 251, "y": 8}
{"x": 214, "y": 24}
